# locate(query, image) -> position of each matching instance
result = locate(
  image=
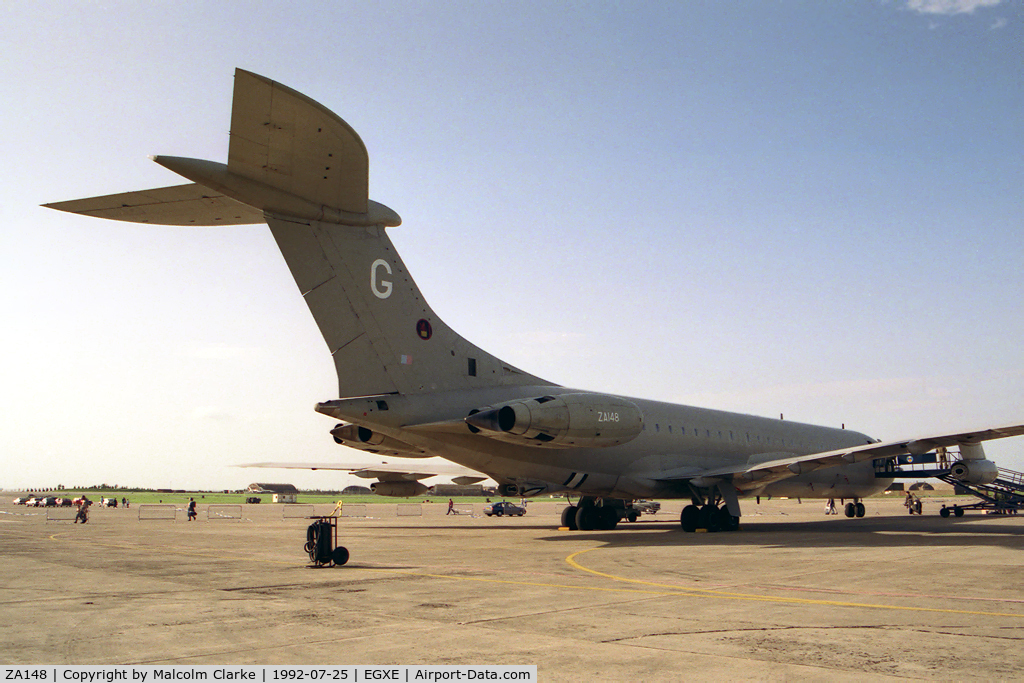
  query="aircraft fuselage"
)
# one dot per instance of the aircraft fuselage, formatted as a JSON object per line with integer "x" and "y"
{"x": 675, "y": 443}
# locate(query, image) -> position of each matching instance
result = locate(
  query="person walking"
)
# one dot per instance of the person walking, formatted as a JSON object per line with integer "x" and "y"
{"x": 451, "y": 507}
{"x": 191, "y": 509}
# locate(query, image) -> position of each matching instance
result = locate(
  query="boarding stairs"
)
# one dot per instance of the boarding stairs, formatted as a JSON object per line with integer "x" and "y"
{"x": 1005, "y": 495}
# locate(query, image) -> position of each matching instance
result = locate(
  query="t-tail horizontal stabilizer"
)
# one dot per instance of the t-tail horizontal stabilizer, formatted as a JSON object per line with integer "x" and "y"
{"x": 297, "y": 166}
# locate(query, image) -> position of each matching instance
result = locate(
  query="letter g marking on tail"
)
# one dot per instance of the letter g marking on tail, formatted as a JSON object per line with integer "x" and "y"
{"x": 381, "y": 288}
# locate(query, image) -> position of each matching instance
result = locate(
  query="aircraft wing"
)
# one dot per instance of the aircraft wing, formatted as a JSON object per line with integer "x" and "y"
{"x": 388, "y": 470}
{"x": 767, "y": 470}
{"x": 189, "y": 204}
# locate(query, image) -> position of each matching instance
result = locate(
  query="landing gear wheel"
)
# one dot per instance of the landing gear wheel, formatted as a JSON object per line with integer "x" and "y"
{"x": 860, "y": 510}
{"x": 708, "y": 518}
{"x": 607, "y": 518}
{"x": 632, "y": 516}
{"x": 850, "y": 510}
{"x": 958, "y": 511}
{"x": 586, "y": 517}
{"x": 569, "y": 517}
{"x": 340, "y": 556}
{"x": 727, "y": 521}
{"x": 944, "y": 512}
{"x": 689, "y": 518}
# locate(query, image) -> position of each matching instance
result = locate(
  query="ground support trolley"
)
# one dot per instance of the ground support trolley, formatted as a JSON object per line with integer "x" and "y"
{"x": 322, "y": 543}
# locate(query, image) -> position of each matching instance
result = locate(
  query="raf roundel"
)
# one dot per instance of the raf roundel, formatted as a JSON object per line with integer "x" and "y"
{"x": 423, "y": 329}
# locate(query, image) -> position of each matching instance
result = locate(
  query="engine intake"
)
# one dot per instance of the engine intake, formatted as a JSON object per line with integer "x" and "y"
{"x": 364, "y": 439}
{"x": 974, "y": 471}
{"x": 564, "y": 421}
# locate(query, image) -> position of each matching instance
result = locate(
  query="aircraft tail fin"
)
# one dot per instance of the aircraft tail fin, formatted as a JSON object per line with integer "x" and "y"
{"x": 302, "y": 169}
{"x": 382, "y": 334}
{"x": 283, "y": 139}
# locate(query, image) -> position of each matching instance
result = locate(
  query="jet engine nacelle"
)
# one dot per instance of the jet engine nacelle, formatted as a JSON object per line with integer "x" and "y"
{"x": 364, "y": 439}
{"x": 564, "y": 421}
{"x": 399, "y": 489}
{"x": 974, "y": 471}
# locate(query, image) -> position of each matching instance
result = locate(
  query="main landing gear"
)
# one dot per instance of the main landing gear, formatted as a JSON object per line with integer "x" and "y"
{"x": 593, "y": 514}
{"x": 709, "y": 517}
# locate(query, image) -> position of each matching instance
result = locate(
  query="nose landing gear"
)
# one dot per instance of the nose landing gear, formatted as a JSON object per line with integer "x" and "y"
{"x": 855, "y": 509}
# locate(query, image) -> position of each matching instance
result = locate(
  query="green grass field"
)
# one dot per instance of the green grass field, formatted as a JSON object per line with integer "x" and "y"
{"x": 210, "y": 498}
{"x": 314, "y": 498}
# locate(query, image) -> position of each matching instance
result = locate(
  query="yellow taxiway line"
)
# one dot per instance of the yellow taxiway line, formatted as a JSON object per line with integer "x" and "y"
{"x": 725, "y": 595}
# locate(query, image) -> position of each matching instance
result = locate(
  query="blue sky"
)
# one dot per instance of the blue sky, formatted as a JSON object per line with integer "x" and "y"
{"x": 791, "y": 207}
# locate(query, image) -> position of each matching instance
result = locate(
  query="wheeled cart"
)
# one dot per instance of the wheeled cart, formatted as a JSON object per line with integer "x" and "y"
{"x": 322, "y": 543}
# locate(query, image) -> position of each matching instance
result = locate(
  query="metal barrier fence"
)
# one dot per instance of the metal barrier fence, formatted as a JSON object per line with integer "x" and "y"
{"x": 353, "y": 511}
{"x": 410, "y": 510}
{"x": 293, "y": 511}
{"x": 156, "y": 511}
{"x": 220, "y": 512}
{"x": 61, "y": 514}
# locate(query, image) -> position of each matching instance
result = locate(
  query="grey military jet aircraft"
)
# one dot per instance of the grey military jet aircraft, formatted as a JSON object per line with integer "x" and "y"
{"x": 410, "y": 386}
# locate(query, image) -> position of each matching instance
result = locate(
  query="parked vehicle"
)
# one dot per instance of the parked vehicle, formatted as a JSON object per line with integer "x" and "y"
{"x": 108, "y": 503}
{"x": 253, "y": 499}
{"x": 504, "y": 508}
{"x": 633, "y": 510}
{"x": 20, "y": 501}
{"x": 646, "y": 507}
{"x": 48, "y": 502}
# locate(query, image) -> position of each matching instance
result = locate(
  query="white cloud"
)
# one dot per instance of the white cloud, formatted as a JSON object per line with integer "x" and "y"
{"x": 949, "y": 6}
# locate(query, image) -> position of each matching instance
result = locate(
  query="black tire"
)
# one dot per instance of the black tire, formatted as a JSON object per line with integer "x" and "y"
{"x": 860, "y": 510}
{"x": 608, "y": 518}
{"x": 708, "y": 518}
{"x": 569, "y": 517}
{"x": 944, "y": 512}
{"x": 586, "y": 518}
{"x": 727, "y": 521}
{"x": 958, "y": 511}
{"x": 340, "y": 556}
{"x": 689, "y": 518}
{"x": 632, "y": 516}
{"x": 850, "y": 510}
